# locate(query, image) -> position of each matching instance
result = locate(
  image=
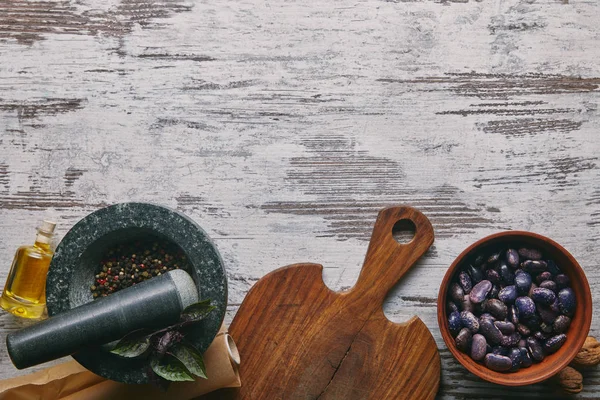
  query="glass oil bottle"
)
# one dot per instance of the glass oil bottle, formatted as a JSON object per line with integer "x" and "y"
{"x": 24, "y": 293}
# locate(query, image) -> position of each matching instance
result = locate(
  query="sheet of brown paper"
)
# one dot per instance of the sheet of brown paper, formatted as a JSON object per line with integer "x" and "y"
{"x": 70, "y": 381}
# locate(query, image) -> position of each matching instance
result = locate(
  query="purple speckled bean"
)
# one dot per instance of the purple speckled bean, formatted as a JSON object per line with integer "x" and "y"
{"x": 544, "y": 276}
{"x": 463, "y": 340}
{"x": 469, "y": 321}
{"x": 512, "y": 258}
{"x": 561, "y": 324}
{"x": 535, "y": 349}
{"x": 490, "y": 331}
{"x": 530, "y": 254}
{"x": 523, "y": 330}
{"x": 497, "y": 308}
{"x": 523, "y": 282}
{"x": 543, "y": 296}
{"x": 454, "y": 323}
{"x": 478, "y": 347}
{"x": 493, "y": 276}
{"x": 497, "y": 362}
{"x": 508, "y": 276}
{"x": 456, "y": 292}
{"x": 505, "y": 327}
{"x": 531, "y": 289}
{"x": 513, "y": 314}
{"x": 562, "y": 281}
{"x": 493, "y": 258}
{"x": 567, "y": 301}
{"x": 549, "y": 285}
{"x": 554, "y": 306}
{"x": 554, "y": 343}
{"x": 451, "y": 307}
{"x": 515, "y": 357}
{"x": 508, "y": 294}
{"x": 546, "y": 313}
{"x": 526, "y": 307}
{"x": 511, "y": 340}
{"x": 480, "y": 291}
{"x": 465, "y": 282}
{"x": 500, "y": 350}
{"x": 476, "y": 274}
{"x": 526, "y": 360}
{"x": 534, "y": 266}
{"x": 487, "y": 316}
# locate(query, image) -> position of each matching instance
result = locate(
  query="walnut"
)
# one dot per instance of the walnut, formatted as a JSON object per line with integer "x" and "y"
{"x": 570, "y": 380}
{"x": 589, "y": 355}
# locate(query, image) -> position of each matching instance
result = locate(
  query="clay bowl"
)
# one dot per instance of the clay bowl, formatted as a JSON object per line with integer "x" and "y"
{"x": 77, "y": 260}
{"x": 576, "y": 334}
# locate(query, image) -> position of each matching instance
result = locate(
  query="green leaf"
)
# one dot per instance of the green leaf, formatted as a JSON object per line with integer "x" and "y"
{"x": 197, "y": 311}
{"x": 132, "y": 345}
{"x": 170, "y": 369}
{"x": 191, "y": 358}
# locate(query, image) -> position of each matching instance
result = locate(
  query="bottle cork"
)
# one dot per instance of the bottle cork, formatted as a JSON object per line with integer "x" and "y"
{"x": 47, "y": 226}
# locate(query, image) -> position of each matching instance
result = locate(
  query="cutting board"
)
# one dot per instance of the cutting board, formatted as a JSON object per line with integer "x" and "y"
{"x": 300, "y": 340}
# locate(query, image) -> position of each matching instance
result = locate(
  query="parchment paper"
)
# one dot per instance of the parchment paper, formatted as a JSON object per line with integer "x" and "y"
{"x": 71, "y": 381}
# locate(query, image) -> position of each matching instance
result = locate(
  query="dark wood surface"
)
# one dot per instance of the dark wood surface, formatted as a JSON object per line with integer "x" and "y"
{"x": 300, "y": 340}
{"x": 283, "y": 127}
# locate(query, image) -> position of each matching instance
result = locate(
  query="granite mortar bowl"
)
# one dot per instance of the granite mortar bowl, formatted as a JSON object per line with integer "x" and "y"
{"x": 576, "y": 334}
{"x": 77, "y": 260}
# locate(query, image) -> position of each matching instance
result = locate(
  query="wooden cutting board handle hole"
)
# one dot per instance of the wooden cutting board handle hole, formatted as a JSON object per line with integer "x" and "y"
{"x": 390, "y": 256}
{"x": 404, "y": 231}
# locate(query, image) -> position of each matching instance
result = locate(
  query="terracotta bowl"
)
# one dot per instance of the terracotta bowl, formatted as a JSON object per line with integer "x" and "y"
{"x": 580, "y": 323}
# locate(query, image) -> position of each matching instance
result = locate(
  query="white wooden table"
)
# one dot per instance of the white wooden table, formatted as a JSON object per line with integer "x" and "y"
{"x": 282, "y": 127}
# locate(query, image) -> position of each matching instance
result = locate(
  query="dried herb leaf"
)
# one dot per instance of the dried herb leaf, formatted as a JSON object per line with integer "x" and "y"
{"x": 191, "y": 358}
{"x": 167, "y": 340}
{"x": 170, "y": 369}
{"x": 132, "y": 345}
{"x": 197, "y": 311}
{"x": 169, "y": 359}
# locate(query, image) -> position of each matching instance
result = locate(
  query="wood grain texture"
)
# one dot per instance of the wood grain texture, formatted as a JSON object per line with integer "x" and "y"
{"x": 388, "y": 361}
{"x": 300, "y": 340}
{"x": 283, "y": 127}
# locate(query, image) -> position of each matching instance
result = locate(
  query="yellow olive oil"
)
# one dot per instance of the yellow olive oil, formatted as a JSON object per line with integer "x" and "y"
{"x": 24, "y": 293}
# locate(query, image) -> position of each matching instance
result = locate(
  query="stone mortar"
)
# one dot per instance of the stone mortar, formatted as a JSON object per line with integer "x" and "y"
{"x": 77, "y": 258}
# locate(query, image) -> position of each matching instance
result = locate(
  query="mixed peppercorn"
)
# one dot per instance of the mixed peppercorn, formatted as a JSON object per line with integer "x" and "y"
{"x": 130, "y": 263}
